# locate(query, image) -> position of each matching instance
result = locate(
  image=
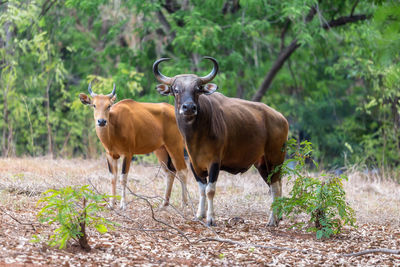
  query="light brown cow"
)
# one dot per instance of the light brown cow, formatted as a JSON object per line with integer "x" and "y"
{"x": 128, "y": 128}
{"x": 224, "y": 133}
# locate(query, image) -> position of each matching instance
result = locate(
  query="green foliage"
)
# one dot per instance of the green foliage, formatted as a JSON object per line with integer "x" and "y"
{"x": 73, "y": 209}
{"x": 321, "y": 198}
{"x": 339, "y": 89}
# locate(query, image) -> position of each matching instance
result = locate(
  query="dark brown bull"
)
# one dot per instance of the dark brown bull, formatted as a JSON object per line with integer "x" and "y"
{"x": 223, "y": 133}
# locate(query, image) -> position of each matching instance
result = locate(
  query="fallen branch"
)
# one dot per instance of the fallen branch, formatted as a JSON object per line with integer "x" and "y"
{"x": 18, "y": 221}
{"x": 154, "y": 217}
{"x": 368, "y": 251}
{"x": 229, "y": 241}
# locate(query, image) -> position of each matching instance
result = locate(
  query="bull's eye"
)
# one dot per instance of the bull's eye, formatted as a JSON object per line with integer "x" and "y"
{"x": 94, "y": 106}
{"x": 176, "y": 90}
{"x": 109, "y": 106}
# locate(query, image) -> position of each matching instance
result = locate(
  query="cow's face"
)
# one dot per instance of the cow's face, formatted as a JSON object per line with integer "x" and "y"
{"x": 101, "y": 106}
{"x": 186, "y": 89}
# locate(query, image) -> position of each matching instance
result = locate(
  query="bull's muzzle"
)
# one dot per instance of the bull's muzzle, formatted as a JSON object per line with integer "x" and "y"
{"x": 188, "y": 109}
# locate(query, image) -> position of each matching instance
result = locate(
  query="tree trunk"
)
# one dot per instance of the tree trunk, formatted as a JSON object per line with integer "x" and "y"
{"x": 83, "y": 242}
{"x": 7, "y": 131}
{"x": 49, "y": 134}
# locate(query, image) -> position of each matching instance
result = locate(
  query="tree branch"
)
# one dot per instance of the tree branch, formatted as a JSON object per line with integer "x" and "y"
{"x": 46, "y": 7}
{"x": 354, "y": 7}
{"x": 283, "y": 56}
{"x": 344, "y": 20}
{"x": 283, "y": 33}
{"x": 286, "y": 52}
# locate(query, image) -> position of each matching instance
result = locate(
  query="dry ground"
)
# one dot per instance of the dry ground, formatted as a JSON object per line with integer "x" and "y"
{"x": 242, "y": 207}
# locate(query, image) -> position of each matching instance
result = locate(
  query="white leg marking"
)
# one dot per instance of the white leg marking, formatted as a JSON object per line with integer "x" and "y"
{"x": 169, "y": 180}
{"x": 114, "y": 169}
{"x": 276, "y": 191}
{"x": 201, "y": 211}
{"x": 123, "y": 180}
{"x": 182, "y": 176}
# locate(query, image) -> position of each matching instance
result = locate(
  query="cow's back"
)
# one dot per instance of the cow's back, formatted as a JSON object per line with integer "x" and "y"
{"x": 142, "y": 127}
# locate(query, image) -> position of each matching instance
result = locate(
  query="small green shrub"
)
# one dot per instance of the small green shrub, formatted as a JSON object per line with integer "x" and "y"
{"x": 73, "y": 209}
{"x": 322, "y": 198}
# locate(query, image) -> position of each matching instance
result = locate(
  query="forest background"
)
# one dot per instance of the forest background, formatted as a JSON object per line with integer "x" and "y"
{"x": 332, "y": 68}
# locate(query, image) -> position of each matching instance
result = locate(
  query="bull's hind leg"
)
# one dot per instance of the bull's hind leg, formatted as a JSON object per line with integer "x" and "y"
{"x": 168, "y": 171}
{"x": 275, "y": 183}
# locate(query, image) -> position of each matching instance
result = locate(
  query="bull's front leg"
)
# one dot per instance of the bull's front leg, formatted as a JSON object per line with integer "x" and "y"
{"x": 210, "y": 191}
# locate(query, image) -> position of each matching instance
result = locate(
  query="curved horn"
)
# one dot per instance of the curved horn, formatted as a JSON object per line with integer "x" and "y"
{"x": 213, "y": 73}
{"x": 159, "y": 76}
{"x": 113, "y": 92}
{"x": 90, "y": 90}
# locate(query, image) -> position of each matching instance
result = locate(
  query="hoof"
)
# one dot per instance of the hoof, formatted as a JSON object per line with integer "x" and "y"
{"x": 211, "y": 222}
{"x": 273, "y": 221}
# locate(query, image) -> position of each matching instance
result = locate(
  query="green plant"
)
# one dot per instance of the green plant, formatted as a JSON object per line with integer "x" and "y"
{"x": 322, "y": 198}
{"x": 73, "y": 209}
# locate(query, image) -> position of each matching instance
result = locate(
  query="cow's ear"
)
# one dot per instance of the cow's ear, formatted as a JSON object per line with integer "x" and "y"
{"x": 164, "y": 89}
{"x": 208, "y": 88}
{"x": 85, "y": 99}
{"x": 113, "y": 98}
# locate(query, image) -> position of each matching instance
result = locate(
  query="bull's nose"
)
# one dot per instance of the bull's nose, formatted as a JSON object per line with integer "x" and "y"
{"x": 101, "y": 122}
{"x": 189, "y": 108}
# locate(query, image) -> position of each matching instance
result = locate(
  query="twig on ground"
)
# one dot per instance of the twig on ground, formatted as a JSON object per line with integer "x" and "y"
{"x": 229, "y": 241}
{"x": 157, "y": 220}
{"x": 368, "y": 251}
{"x": 18, "y": 221}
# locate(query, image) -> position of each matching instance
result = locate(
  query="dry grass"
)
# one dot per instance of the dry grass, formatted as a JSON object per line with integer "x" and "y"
{"x": 242, "y": 208}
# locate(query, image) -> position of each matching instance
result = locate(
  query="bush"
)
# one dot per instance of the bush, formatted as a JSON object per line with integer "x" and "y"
{"x": 322, "y": 198}
{"x": 73, "y": 209}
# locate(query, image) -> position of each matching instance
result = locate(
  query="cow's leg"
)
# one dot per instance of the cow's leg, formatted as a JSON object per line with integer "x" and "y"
{"x": 176, "y": 156}
{"x": 210, "y": 191}
{"x": 182, "y": 176}
{"x": 126, "y": 163}
{"x": 168, "y": 172}
{"x": 202, "y": 182}
{"x": 113, "y": 168}
{"x": 275, "y": 184}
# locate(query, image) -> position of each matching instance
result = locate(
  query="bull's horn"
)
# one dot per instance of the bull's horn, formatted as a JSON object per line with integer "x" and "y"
{"x": 209, "y": 77}
{"x": 113, "y": 92}
{"x": 159, "y": 76}
{"x": 90, "y": 90}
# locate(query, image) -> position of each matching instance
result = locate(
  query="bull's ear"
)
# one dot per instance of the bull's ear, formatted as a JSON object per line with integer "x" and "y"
{"x": 164, "y": 89}
{"x": 85, "y": 99}
{"x": 208, "y": 88}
